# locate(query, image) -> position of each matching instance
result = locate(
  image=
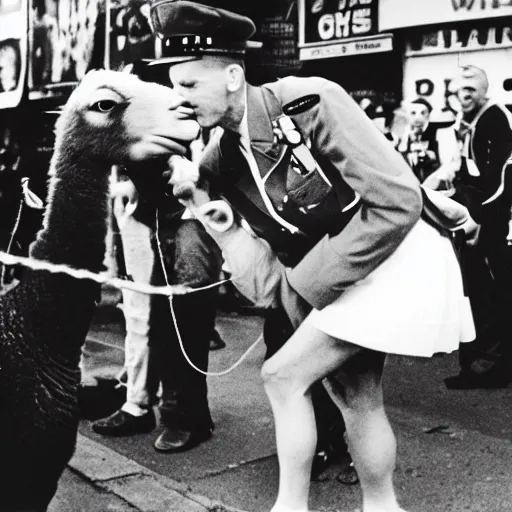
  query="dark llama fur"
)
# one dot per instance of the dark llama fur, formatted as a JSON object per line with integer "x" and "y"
{"x": 45, "y": 318}
{"x": 43, "y": 324}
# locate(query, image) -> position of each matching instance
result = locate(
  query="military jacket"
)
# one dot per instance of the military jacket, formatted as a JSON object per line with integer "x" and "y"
{"x": 336, "y": 245}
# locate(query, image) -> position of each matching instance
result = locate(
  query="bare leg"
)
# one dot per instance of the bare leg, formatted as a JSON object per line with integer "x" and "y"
{"x": 307, "y": 357}
{"x": 357, "y": 390}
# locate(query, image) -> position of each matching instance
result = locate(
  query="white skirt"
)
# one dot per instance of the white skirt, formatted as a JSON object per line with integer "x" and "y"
{"x": 412, "y": 304}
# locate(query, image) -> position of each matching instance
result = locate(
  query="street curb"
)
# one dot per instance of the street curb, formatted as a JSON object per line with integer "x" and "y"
{"x": 142, "y": 488}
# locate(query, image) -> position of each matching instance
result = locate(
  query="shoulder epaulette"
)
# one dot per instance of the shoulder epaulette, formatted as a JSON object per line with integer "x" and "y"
{"x": 301, "y": 104}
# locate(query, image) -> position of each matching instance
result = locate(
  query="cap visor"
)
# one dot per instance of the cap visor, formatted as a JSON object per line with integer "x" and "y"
{"x": 174, "y": 60}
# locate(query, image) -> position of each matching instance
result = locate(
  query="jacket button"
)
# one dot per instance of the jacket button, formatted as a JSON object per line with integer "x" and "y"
{"x": 280, "y": 208}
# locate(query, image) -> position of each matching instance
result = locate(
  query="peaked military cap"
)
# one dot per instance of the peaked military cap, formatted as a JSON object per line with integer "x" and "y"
{"x": 190, "y": 30}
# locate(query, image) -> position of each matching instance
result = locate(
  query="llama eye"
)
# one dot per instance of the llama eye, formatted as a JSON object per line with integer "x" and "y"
{"x": 104, "y": 106}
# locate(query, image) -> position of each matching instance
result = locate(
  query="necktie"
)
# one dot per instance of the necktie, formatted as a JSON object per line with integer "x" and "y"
{"x": 464, "y": 132}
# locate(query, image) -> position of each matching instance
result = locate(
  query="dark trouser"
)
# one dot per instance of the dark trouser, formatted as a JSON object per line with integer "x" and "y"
{"x": 195, "y": 260}
{"x": 488, "y": 271}
{"x": 329, "y": 421}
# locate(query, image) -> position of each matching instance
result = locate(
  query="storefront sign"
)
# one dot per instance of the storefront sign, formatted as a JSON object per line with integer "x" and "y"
{"x": 357, "y": 46}
{"x": 430, "y": 77}
{"x": 394, "y": 14}
{"x": 428, "y": 42}
{"x": 336, "y": 28}
{"x": 13, "y": 51}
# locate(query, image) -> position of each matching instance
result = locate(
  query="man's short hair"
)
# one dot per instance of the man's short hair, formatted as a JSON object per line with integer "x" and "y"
{"x": 470, "y": 76}
{"x": 424, "y": 102}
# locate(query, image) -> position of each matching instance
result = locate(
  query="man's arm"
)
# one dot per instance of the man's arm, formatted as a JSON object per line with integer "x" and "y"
{"x": 390, "y": 197}
{"x": 498, "y": 131}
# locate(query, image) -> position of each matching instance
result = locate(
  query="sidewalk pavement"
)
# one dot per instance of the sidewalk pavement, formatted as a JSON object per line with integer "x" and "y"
{"x": 77, "y": 494}
{"x": 455, "y": 448}
{"x": 471, "y": 474}
{"x": 100, "y": 479}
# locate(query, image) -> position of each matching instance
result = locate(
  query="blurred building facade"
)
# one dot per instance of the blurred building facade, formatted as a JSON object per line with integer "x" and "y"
{"x": 381, "y": 50}
{"x": 438, "y": 36}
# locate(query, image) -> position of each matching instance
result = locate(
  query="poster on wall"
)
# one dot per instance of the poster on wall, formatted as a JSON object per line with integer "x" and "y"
{"x": 13, "y": 51}
{"x": 336, "y": 28}
{"x": 131, "y": 37}
{"x": 62, "y": 40}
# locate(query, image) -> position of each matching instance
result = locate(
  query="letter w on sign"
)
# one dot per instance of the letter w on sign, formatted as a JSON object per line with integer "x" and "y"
{"x": 468, "y": 4}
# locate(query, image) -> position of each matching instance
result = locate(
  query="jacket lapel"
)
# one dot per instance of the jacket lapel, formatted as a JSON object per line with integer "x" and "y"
{"x": 237, "y": 171}
{"x": 265, "y": 148}
{"x": 269, "y": 154}
{"x": 263, "y": 144}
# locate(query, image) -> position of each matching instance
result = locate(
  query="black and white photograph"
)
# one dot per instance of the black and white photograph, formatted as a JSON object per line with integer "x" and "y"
{"x": 256, "y": 256}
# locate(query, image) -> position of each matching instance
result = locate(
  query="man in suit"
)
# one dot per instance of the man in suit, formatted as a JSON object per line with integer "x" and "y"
{"x": 152, "y": 351}
{"x": 418, "y": 144}
{"x": 484, "y": 129}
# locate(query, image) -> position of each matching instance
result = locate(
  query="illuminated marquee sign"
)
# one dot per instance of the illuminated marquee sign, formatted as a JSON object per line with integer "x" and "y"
{"x": 335, "y": 28}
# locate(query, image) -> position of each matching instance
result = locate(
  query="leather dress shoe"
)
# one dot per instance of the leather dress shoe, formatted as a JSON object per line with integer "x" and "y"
{"x": 321, "y": 461}
{"x": 177, "y": 440}
{"x": 122, "y": 423}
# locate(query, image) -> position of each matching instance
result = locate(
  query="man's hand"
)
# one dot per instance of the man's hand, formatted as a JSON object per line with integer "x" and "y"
{"x": 472, "y": 230}
{"x": 125, "y": 189}
{"x": 182, "y": 176}
{"x": 440, "y": 178}
{"x": 443, "y": 177}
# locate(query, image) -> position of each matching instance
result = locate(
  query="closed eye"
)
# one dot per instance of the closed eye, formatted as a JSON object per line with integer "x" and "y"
{"x": 187, "y": 85}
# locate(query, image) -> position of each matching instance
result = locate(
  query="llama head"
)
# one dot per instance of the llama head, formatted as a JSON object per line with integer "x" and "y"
{"x": 116, "y": 118}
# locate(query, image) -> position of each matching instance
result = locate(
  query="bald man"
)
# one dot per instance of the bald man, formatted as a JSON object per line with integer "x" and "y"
{"x": 484, "y": 129}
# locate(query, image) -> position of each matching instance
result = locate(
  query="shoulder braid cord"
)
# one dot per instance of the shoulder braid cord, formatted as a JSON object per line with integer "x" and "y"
{"x": 169, "y": 290}
{"x": 287, "y": 132}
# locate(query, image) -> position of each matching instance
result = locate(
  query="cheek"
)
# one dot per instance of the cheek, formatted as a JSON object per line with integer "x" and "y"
{"x": 141, "y": 120}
